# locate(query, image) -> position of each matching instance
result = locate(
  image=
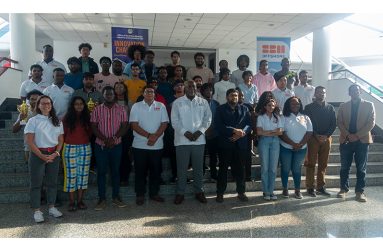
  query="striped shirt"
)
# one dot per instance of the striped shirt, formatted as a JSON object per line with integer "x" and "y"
{"x": 108, "y": 120}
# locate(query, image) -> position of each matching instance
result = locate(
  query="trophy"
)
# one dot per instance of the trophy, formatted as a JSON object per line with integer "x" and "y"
{"x": 23, "y": 109}
{"x": 91, "y": 105}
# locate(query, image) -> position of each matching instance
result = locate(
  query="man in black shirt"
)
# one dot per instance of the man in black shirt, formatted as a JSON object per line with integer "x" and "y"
{"x": 323, "y": 119}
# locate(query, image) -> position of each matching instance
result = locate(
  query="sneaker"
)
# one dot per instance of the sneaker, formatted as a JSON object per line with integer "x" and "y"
{"x": 341, "y": 194}
{"x": 38, "y": 216}
{"x": 361, "y": 197}
{"x": 323, "y": 191}
{"x": 298, "y": 195}
{"x": 273, "y": 197}
{"x": 118, "y": 202}
{"x": 285, "y": 193}
{"x": 54, "y": 212}
{"x": 201, "y": 197}
{"x": 242, "y": 197}
{"x": 219, "y": 198}
{"x": 101, "y": 205}
{"x": 311, "y": 192}
{"x": 266, "y": 197}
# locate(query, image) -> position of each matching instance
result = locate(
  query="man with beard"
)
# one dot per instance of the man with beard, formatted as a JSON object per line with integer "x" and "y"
{"x": 200, "y": 70}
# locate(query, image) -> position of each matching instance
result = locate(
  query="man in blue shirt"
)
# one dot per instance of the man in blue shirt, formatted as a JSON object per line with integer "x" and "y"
{"x": 75, "y": 76}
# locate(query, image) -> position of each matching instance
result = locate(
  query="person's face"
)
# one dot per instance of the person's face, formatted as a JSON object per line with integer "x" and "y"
{"x": 303, "y": 78}
{"x": 135, "y": 71}
{"x": 179, "y": 88}
{"x": 48, "y": 53}
{"x": 190, "y": 89}
{"x": 241, "y": 97}
{"x": 223, "y": 64}
{"x": 163, "y": 74}
{"x": 105, "y": 65}
{"x": 354, "y": 92}
{"x": 199, "y": 61}
{"x": 264, "y": 67}
{"x": 154, "y": 85}
{"x": 282, "y": 83}
{"x": 149, "y": 58}
{"x": 45, "y": 106}
{"x": 117, "y": 67}
{"x": 247, "y": 78}
{"x": 36, "y": 72}
{"x": 84, "y": 52}
{"x": 178, "y": 72}
{"x": 285, "y": 63}
{"x": 294, "y": 105}
{"x": 137, "y": 55}
{"x": 270, "y": 106}
{"x": 58, "y": 76}
{"x": 198, "y": 82}
{"x": 109, "y": 96}
{"x": 33, "y": 99}
{"x": 88, "y": 82}
{"x": 79, "y": 105}
{"x": 232, "y": 98}
{"x": 149, "y": 94}
{"x": 207, "y": 93}
{"x": 74, "y": 67}
{"x": 320, "y": 95}
{"x": 175, "y": 58}
{"x": 243, "y": 63}
{"x": 226, "y": 76}
{"x": 119, "y": 89}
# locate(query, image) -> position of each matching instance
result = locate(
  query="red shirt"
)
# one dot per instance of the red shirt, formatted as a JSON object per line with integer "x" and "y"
{"x": 79, "y": 136}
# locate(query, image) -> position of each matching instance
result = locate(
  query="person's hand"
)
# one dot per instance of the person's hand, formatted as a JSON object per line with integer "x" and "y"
{"x": 235, "y": 138}
{"x": 353, "y": 137}
{"x": 45, "y": 158}
{"x": 189, "y": 136}
{"x": 23, "y": 116}
{"x": 239, "y": 132}
{"x": 152, "y": 140}
{"x": 297, "y": 146}
{"x": 196, "y": 135}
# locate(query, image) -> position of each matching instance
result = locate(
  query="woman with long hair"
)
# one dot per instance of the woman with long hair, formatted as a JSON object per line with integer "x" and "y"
{"x": 77, "y": 151}
{"x": 44, "y": 136}
{"x": 297, "y": 130}
{"x": 269, "y": 127}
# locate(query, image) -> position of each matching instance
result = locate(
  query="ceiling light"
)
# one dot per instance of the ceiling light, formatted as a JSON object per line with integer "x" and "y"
{"x": 270, "y": 25}
{"x": 188, "y": 19}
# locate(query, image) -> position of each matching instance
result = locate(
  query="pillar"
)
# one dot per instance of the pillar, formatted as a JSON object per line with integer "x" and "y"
{"x": 321, "y": 58}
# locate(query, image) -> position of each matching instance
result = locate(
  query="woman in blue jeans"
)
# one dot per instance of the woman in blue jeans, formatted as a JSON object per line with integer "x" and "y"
{"x": 297, "y": 130}
{"x": 269, "y": 127}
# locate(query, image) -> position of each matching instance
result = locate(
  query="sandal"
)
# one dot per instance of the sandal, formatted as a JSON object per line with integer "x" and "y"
{"x": 81, "y": 205}
{"x": 72, "y": 207}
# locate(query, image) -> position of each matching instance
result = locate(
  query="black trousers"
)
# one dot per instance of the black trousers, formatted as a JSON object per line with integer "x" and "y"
{"x": 170, "y": 149}
{"x": 147, "y": 161}
{"x": 126, "y": 163}
{"x": 212, "y": 149}
{"x": 236, "y": 158}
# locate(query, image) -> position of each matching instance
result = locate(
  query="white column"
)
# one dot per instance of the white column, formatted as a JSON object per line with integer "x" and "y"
{"x": 23, "y": 40}
{"x": 321, "y": 58}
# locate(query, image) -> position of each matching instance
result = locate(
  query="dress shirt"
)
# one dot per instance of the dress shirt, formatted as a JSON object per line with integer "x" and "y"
{"x": 250, "y": 95}
{"x": 48, "y": 69}
{"x": 281, "y": 96}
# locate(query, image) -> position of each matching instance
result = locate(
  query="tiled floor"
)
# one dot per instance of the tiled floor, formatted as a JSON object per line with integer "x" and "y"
{"x": 310, "y": 217}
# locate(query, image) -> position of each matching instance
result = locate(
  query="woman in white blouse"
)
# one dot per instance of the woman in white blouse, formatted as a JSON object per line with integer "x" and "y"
{"x": 269, "y": 127}
{"x": 44, "y": 136}
{"x": 297, "y": 131}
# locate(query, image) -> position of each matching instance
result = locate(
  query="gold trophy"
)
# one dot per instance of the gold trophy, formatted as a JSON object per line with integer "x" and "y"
{"x": 23, "y": 109}
{"x": 91, "y": 105}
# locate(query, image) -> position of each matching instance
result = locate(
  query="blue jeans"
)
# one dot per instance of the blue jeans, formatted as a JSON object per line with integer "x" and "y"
{"x": 291, "y": 160}
{"x": 108, "y": 157}
{"x": 359, "y": 151}
{"x": 268, "y": 147}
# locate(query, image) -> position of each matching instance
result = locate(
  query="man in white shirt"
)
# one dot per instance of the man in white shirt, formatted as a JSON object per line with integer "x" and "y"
{"x": 49, "y": 64}
{"x": 59, "y": 92}
{"x": 282, "y": 93}
{"x": 191, "y": 117}
{"x": 222, "y": 86}
{"x": 200, "y": 70}
{"x": 149, "y": 120}
{"x": 243, "y": 62}
{"x": 304, "y": 91}
{"x": 34, "y": 83}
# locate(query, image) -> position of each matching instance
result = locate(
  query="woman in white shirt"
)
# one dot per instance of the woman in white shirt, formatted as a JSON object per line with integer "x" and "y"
{"x": 297, "y": 131}
{"x": 269, "y": 127}
{"x": 44, "y": 136}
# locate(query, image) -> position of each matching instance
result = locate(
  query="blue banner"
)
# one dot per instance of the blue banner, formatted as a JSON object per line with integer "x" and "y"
{"x": 122, "y": 38}
{"x": 273, "y": 49}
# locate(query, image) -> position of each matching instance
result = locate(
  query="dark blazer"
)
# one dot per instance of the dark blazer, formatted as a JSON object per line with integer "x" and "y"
{"x": 226, "y": 120}
{"x": 93, "y": 67}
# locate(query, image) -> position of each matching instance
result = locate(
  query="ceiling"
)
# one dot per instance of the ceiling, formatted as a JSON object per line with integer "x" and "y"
{"x": 195, "y": 30}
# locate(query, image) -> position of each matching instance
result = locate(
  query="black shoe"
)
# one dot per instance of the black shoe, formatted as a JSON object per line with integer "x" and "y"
{"x": 242, "y": 197}
{"x": 219, "y": 198}
{"x": 322, "y": 191}
{"x": 311, "y": 192}
{"x": 201, "y": 197}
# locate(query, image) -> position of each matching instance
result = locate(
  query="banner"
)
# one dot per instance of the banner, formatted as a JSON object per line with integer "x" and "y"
{"x": 122, "y": 38}
{"x": 273, "y": 49}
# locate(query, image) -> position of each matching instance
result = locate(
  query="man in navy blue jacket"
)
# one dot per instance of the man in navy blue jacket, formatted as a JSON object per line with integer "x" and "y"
{"x": 233, "y": 124}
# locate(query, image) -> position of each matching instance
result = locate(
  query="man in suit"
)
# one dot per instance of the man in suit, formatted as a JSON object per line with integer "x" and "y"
{"x": 356, "y": 118}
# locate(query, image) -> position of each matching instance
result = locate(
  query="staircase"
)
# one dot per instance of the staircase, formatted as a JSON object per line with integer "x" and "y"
{"x": 14, "y": 177}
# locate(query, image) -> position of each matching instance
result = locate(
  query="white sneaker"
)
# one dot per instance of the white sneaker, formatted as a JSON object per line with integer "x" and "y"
{"x": 266, "y": 197}
{"x": 38, "y": 216}
{"x": 54, "y": 212}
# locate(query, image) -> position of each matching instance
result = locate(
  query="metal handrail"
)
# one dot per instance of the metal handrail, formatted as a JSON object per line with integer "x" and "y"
{"x": 8, "y": 59}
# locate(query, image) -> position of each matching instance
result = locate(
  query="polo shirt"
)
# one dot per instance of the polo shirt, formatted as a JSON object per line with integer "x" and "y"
{"x": 250, "y": 95}
{"x": 305, "y": 94}
{"x": 205, "y": 73}
{"x": 100, "y": 81}
{"x": 48, "y": 69}
{"x": 282, "y": 95}
{"x": 149, "y": 118}
{"x": 74, "y": 80}
{"x": 264, "y": 82}
{"x": 295, "y": 127}
{"x": 190, "y": 115}
{"x": 46, "y": 134}
{"x": 135, "y": 88}
{"x": 108, "y": 120}
{"x": 28, "y": 85}
{"x": 220, "y": 89}
{"x": 61, "y": 97}
{"x": 269, "y": 124}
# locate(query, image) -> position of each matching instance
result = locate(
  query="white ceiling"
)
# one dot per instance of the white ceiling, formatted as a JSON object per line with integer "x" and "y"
{"x": 196, "y": 30}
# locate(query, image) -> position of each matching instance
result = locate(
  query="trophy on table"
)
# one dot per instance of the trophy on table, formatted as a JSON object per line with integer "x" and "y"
{"x": 91, "y": 105}
{"x": 23, "y": 109}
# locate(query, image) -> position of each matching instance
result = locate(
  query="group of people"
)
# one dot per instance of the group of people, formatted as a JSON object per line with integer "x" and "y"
{"x": 141, "y": 113}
